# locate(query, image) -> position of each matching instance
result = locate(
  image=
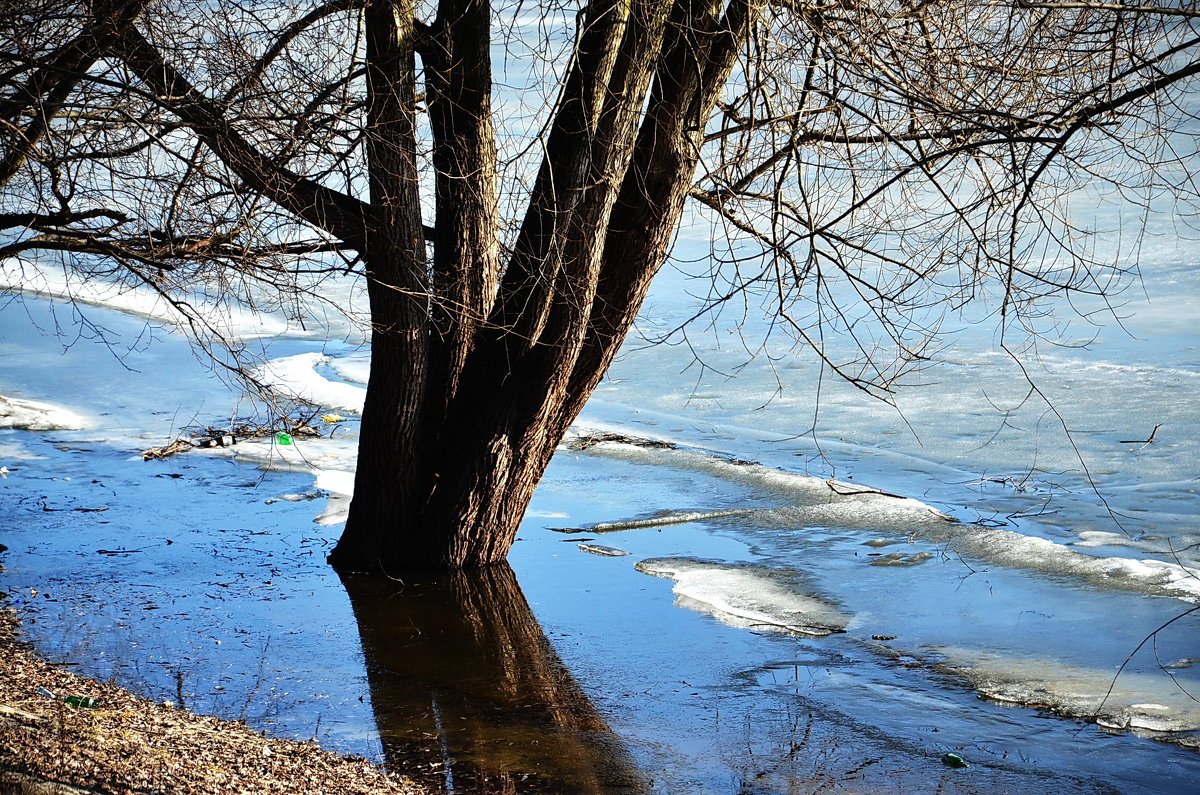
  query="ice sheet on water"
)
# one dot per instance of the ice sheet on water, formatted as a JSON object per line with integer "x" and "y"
{"x": 660, "y": 519}
{"x": 336, "y": 511}
{"x": 816, "y": 502}
{"x": 858, "y": 512}
{"x": 15, "y": 452}
{"x": 745, "y": 596}
{"x": 354, "y": 368}
{"x": 603, "y": 550}
{"x": 806, "y": 500}
{"x": 1030, "y": 553}
{"x": 231, "y": 322}
{"x": 34, "y": 415}
{"x": 296, "y": 377}
{"x": 1152, "y": 702}
{"x": 338, "y": 481}
{"x": 1183, "y": 548}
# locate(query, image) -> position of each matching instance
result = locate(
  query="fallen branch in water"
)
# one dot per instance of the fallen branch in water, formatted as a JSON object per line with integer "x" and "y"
{"x": 1149, "y": 440}
{"x": 159, "y": 453}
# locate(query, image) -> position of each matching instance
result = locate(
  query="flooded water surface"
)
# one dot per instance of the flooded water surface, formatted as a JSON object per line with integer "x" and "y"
{"x": 713, "y": 592}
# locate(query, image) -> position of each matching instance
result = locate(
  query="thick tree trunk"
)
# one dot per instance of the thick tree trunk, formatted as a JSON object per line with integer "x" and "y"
{"x": 463, "y": 417}
{"x": 392, "y": 478}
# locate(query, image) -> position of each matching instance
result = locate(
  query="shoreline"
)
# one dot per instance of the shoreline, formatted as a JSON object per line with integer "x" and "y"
{"x": 129, "y": 744}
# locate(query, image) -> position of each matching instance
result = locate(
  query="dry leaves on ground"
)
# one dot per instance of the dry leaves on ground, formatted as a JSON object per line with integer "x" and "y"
{"x": 129, "y": 744}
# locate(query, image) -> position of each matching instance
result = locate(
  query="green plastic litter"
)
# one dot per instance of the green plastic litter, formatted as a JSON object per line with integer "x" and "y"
{"x": 954, "y": 760}
{"x": 284, "y": 438}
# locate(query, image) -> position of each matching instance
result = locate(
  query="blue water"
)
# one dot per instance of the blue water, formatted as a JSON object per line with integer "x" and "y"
{"x": 218, "y": 594}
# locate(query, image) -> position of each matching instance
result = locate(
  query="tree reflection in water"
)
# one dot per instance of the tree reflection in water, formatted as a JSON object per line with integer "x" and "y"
{"x": 469, "y": 695}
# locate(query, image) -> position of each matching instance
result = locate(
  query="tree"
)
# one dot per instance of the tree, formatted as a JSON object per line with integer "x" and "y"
{"x": 872, "y": 166}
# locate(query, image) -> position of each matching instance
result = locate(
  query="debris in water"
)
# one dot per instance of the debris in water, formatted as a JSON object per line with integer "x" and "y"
{"x": 601, "y": 549}
{"x": 1185, "y": 662}
{"x": 900, "y": 559}
{"x": 954, "y": 760}
{"x": 159, "y": 453}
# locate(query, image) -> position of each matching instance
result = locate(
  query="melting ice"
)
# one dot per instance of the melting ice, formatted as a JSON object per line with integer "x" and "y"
{"x": 746, "y": 596}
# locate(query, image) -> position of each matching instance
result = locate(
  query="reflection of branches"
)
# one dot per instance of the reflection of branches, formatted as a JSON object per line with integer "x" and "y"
{"x": 467, "y": 688}
{"x": 1152, "y": 637}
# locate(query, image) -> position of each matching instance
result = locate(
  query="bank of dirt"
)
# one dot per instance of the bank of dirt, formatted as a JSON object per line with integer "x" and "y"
{"x": 128, "y": 744}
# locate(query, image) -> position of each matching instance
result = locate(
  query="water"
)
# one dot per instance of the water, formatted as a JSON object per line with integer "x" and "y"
{"x": 767, "y": 632}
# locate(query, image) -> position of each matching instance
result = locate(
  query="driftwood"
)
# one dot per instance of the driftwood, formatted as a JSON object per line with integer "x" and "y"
{"x": 159, "y": 453}
{"x": 209, "y": 436}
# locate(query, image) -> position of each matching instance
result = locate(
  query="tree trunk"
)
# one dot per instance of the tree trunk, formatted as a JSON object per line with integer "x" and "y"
{"x": 392, "y": 476}
{"x": 462, "y": 417}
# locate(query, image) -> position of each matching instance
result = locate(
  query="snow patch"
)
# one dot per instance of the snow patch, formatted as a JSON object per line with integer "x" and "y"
{"x": 221, "y": 318}
{"x": 33, "y": 415}
{"x": 747, "y": 597}
{"x": 296, "y": 378}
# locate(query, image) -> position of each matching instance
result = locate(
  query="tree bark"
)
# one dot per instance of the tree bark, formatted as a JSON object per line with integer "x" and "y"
{"x": 393, "y": 479}
{"x": 619, "y": 159}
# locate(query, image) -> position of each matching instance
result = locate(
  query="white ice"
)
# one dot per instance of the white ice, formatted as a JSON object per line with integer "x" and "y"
{"x": 295, "y": 377}
{"x": 1015, "y": 550}
{"x": 33, "y": 415}
{"x": 807, "y": 500}
{"x": 218, "y": 319}
{"x": 745, "y": 596}
{"x": 1129, "y": 700}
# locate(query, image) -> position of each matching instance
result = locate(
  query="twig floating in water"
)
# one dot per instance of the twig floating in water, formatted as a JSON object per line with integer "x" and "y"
{"x": 1149, "y": 440}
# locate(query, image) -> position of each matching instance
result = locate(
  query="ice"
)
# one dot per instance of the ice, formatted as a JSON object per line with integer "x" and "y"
{"x": 861, "y": 512}
{"x": 34, "y": 415}
{"x": 808, "y": 501}
{"x": 296, "y": 378}
{"x": 603, "y": 550}
{"x": 1031, "y": 553}
{"x": 355, "y": 367}
{"x": 220, "y": 319}
{"x": 743, "y": 596}
{"x": 1155, "y": 702}
{"x": 1183, "y": 548}
{"x": 664, "y": 519}
{"x": 1055, "y": 603}
{"x": 337, "y": 481}
{"x": 336, "y": 511}
{"x": 10, "y": 451}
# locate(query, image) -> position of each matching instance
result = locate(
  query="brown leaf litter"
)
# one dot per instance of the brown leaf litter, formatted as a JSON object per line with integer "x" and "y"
{"x": 130, "y": 744}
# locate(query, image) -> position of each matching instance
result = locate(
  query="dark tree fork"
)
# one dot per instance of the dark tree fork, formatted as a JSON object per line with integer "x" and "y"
{"x": 483, "y": 378}
{"x": 801, "y": 126}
